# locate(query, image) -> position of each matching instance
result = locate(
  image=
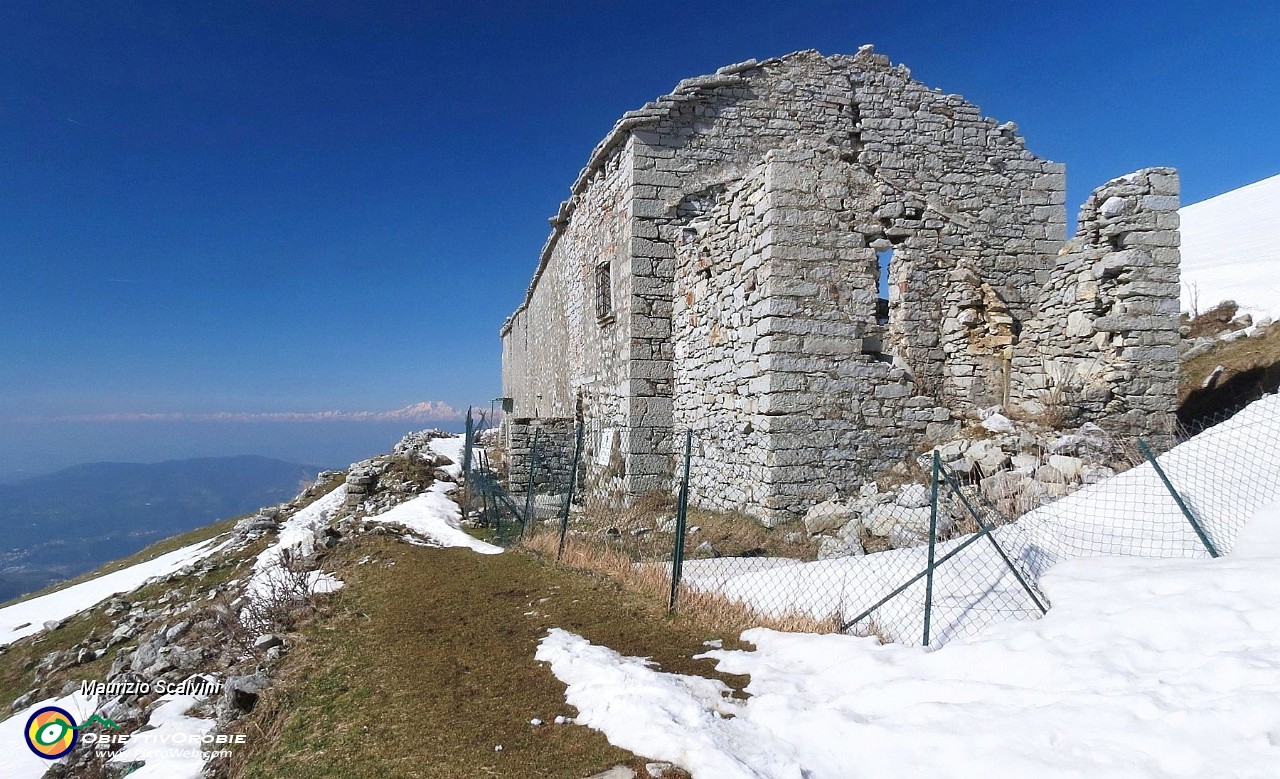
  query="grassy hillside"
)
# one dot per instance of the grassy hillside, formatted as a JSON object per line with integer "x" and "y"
{"x": 423, "y": 664}
{"x": 1250, "y": 368}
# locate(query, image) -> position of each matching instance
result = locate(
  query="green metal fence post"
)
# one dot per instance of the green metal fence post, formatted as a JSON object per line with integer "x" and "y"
{"x": 468, "y": 441}
{"x": 682, "y": 511}
{"x": 987, "y": 529}
{"x": 568, "y": 498}
{"x": 933, "y": 543}
{"x": 528, "y": 490}
{"x": 1186, "y": 510}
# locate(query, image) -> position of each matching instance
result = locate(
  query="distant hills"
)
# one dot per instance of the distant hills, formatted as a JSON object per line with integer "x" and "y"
{"x": 59, "y": 525}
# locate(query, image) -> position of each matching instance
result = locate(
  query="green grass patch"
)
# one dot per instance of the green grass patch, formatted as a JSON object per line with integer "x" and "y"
{"x": 424, "y": 663}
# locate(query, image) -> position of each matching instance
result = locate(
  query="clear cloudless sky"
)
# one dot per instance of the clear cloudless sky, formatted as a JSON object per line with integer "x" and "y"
{"x": 267, "y": 208}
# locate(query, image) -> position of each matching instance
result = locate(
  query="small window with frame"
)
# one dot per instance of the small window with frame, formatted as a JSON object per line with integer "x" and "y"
{"x": 604, "y": 292}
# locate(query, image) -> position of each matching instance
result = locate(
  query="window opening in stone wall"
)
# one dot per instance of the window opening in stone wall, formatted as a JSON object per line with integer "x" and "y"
{"x": 604, "y": 297}
{"x": 884, "y": 258}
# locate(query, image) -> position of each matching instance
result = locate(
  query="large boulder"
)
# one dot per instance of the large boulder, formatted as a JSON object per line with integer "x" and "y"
{"x": 1050, "y": 475}
{"x": 901, "y": 537}
{"x": 240, "y": 694}
{"x": 988, "y": 455}
{"x": 1069, "y": 467}
{"x": 1005, "y": 484}
{"x": 1024, "y": 463}
{"x": 840, "y": 547}
{"x": 1092, "y": 474}
{"x": 882, "y": 519}
{"x": 827, "y": 515}
{"x": 914, "y": 496}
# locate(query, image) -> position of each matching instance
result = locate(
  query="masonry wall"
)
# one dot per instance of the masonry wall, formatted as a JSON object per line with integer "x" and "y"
{"x": 779, "y": 368}
{"x": 553, "y": 440}
{"x": 555, "y": 349}
{"x": 742, "y": 215}
{"x": 1104, "y": 347}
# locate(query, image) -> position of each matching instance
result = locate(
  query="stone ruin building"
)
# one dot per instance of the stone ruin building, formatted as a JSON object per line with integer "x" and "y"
{"x": 717, "y": 268}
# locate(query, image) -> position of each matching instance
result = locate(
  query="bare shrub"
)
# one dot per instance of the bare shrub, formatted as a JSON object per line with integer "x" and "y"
{"x": 280, "y": 596}
{"x": 1060, "y": 399}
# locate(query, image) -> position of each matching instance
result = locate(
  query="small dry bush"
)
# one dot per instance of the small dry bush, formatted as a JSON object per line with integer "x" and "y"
{"x": 1213, "y": 322}
{"x": 283, "y": 598}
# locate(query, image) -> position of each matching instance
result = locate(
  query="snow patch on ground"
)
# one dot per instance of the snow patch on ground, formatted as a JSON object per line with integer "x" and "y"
{"x": 436, "y": 518}
{"x": 433, "y": 515}
{"x": 28, "y": 617}
{"x": 297, "y": 534}
{"x": 170, "y": 746}
{"x": 19, "y": 762}
{"x": 1128, "y": 514}
{"x": 1143, "y": 668}
{"x": 452, "y": 448}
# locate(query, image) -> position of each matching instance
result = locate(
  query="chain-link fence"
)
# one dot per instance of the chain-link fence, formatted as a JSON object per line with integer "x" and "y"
{"x": 958, "y": 543}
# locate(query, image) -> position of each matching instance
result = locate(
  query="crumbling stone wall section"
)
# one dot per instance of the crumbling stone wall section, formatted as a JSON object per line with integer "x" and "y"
{"x": 553, "y": 460}
{"x": 963, "y": 192}
{"x": 778, "y": 364}
{"x": 1104, "y": 346}
{"x": 741, "y": 217}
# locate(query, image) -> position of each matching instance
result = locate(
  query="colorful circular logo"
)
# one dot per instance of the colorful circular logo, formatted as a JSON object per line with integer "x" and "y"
{"x": 51, "y": 732}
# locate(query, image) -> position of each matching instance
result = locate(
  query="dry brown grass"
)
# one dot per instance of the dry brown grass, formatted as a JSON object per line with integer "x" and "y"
{"x": 1213, "y": 322}
{"x": 703, "y": 609}
{"x": 732, "y": 533}
{"x": 1251, "y": 368}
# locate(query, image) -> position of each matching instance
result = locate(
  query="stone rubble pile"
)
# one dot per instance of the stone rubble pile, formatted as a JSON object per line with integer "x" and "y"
{"x": 1015, "y": 470}
{"x": 379, "y": 483}
{"x": 1226, "y": 325}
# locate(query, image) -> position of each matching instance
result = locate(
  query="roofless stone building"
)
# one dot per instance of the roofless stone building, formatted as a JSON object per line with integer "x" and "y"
{"x": 718, "y": 264}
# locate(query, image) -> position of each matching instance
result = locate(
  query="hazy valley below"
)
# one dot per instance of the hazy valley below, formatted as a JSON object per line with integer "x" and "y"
{"x": 56, "y": 526}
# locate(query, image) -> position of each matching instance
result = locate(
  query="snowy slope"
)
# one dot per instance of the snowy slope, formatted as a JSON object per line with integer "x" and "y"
{"x": 19, "y": 762}
{"x": 28, "y": 617}
{"x": 1231, "y": 249}
{"x": 1143, "y": 668}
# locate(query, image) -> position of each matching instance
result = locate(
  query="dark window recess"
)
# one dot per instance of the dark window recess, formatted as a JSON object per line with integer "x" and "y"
{"x": 604, "y": 284}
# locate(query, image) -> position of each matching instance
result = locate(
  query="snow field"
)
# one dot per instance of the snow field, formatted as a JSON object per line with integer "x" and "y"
{"x": 1144, "y": 668}
{"x": 1231, "y": 250}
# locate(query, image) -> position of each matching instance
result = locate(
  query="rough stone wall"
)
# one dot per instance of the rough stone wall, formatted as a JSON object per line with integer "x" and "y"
{"x": 719, "y": 381}
{"x": 779, "y": 369}
{"x": 962, "y": 191}
{"x": 1104, "y": 347}
{"x": 742, "y": 215}
{"x": 555, "y": 349}
{"x": 554, "y": 460}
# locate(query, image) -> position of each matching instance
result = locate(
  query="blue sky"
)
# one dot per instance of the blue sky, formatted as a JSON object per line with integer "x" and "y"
{"x": 222, "y": 213}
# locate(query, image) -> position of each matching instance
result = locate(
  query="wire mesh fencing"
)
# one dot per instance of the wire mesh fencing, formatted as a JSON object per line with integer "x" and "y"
{"x": 943, "y": 557}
